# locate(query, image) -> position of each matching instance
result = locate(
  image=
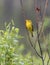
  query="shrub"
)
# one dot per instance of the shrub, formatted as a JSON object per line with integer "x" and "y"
{"x": 10, "y": 50}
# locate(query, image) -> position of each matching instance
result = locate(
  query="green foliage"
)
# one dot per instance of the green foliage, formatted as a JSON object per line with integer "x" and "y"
{"x": 46, "y": 22}
{"x": 10, "y": 50}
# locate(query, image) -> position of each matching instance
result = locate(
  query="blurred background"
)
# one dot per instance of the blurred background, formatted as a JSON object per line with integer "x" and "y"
{"x": 11, "y": 9}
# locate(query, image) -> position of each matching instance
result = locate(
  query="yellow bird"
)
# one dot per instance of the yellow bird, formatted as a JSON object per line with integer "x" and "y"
{"x": 29, "y": 26}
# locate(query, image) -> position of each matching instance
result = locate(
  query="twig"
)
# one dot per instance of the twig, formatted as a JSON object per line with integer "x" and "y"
{"x": 43, "y": 16}
{"x": 38, "y": 34}
{"x": 46, "y": 4}
{"x": 39, "y": 44}
{"x": 23, "y": 12}
{"x": 41, "y": 52}
{"x": 42, "y": 20}
{"x": 32, "y": 45}
{"x": 37, "y": 30}
{"x": 41, "y": 29}
{"x": 40, "y": 8}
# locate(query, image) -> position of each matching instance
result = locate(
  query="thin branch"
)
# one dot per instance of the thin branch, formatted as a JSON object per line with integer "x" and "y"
{"x": 37, "y": 28}
{"x": 23, "y": 12}
{"x": 43, "y": 16}
{"x": 32, "y": 45}
{"x": 41, "y": 9}
{"x": 38, "y": 34}
{"x": 38, "y": 40}
{"x": 46, "y": 4}
{"x": 41, "y": 52}
{"x": 37, "y": 20}
{"x": 39, "y": 44}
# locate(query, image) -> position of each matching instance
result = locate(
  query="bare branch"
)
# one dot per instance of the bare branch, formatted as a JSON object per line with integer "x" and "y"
{"x": 39, "y": 44}
{"x": 23, "y": 12}
{"x": 43, "y": 16}
{"x": 41, "y": 8}
{"x": 32, "y": 45}
{"x": 39, "y": 33}
{"x": 41, "y": 29}
{"x": 46, "y": 4}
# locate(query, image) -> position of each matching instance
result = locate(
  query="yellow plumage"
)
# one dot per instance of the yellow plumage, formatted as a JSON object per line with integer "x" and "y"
{"x": 29, "y": 26}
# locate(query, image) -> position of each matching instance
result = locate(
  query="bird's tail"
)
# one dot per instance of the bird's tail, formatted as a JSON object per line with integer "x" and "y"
{"x": 32, "y": 33}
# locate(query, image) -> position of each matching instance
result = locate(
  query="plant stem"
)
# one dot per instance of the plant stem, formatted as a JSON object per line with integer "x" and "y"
{"x": 40, "y": 46}
{"x": 32, "y": 45}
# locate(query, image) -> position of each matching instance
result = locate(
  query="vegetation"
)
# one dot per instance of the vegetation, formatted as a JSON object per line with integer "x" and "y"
{"x": 11, "y": 49}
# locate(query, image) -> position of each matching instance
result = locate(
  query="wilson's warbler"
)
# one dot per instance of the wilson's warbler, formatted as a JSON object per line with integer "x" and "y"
{"x": 29, "y": 26}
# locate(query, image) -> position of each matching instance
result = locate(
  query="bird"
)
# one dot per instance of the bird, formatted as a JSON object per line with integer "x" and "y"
{"x": 29, "y": 26}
